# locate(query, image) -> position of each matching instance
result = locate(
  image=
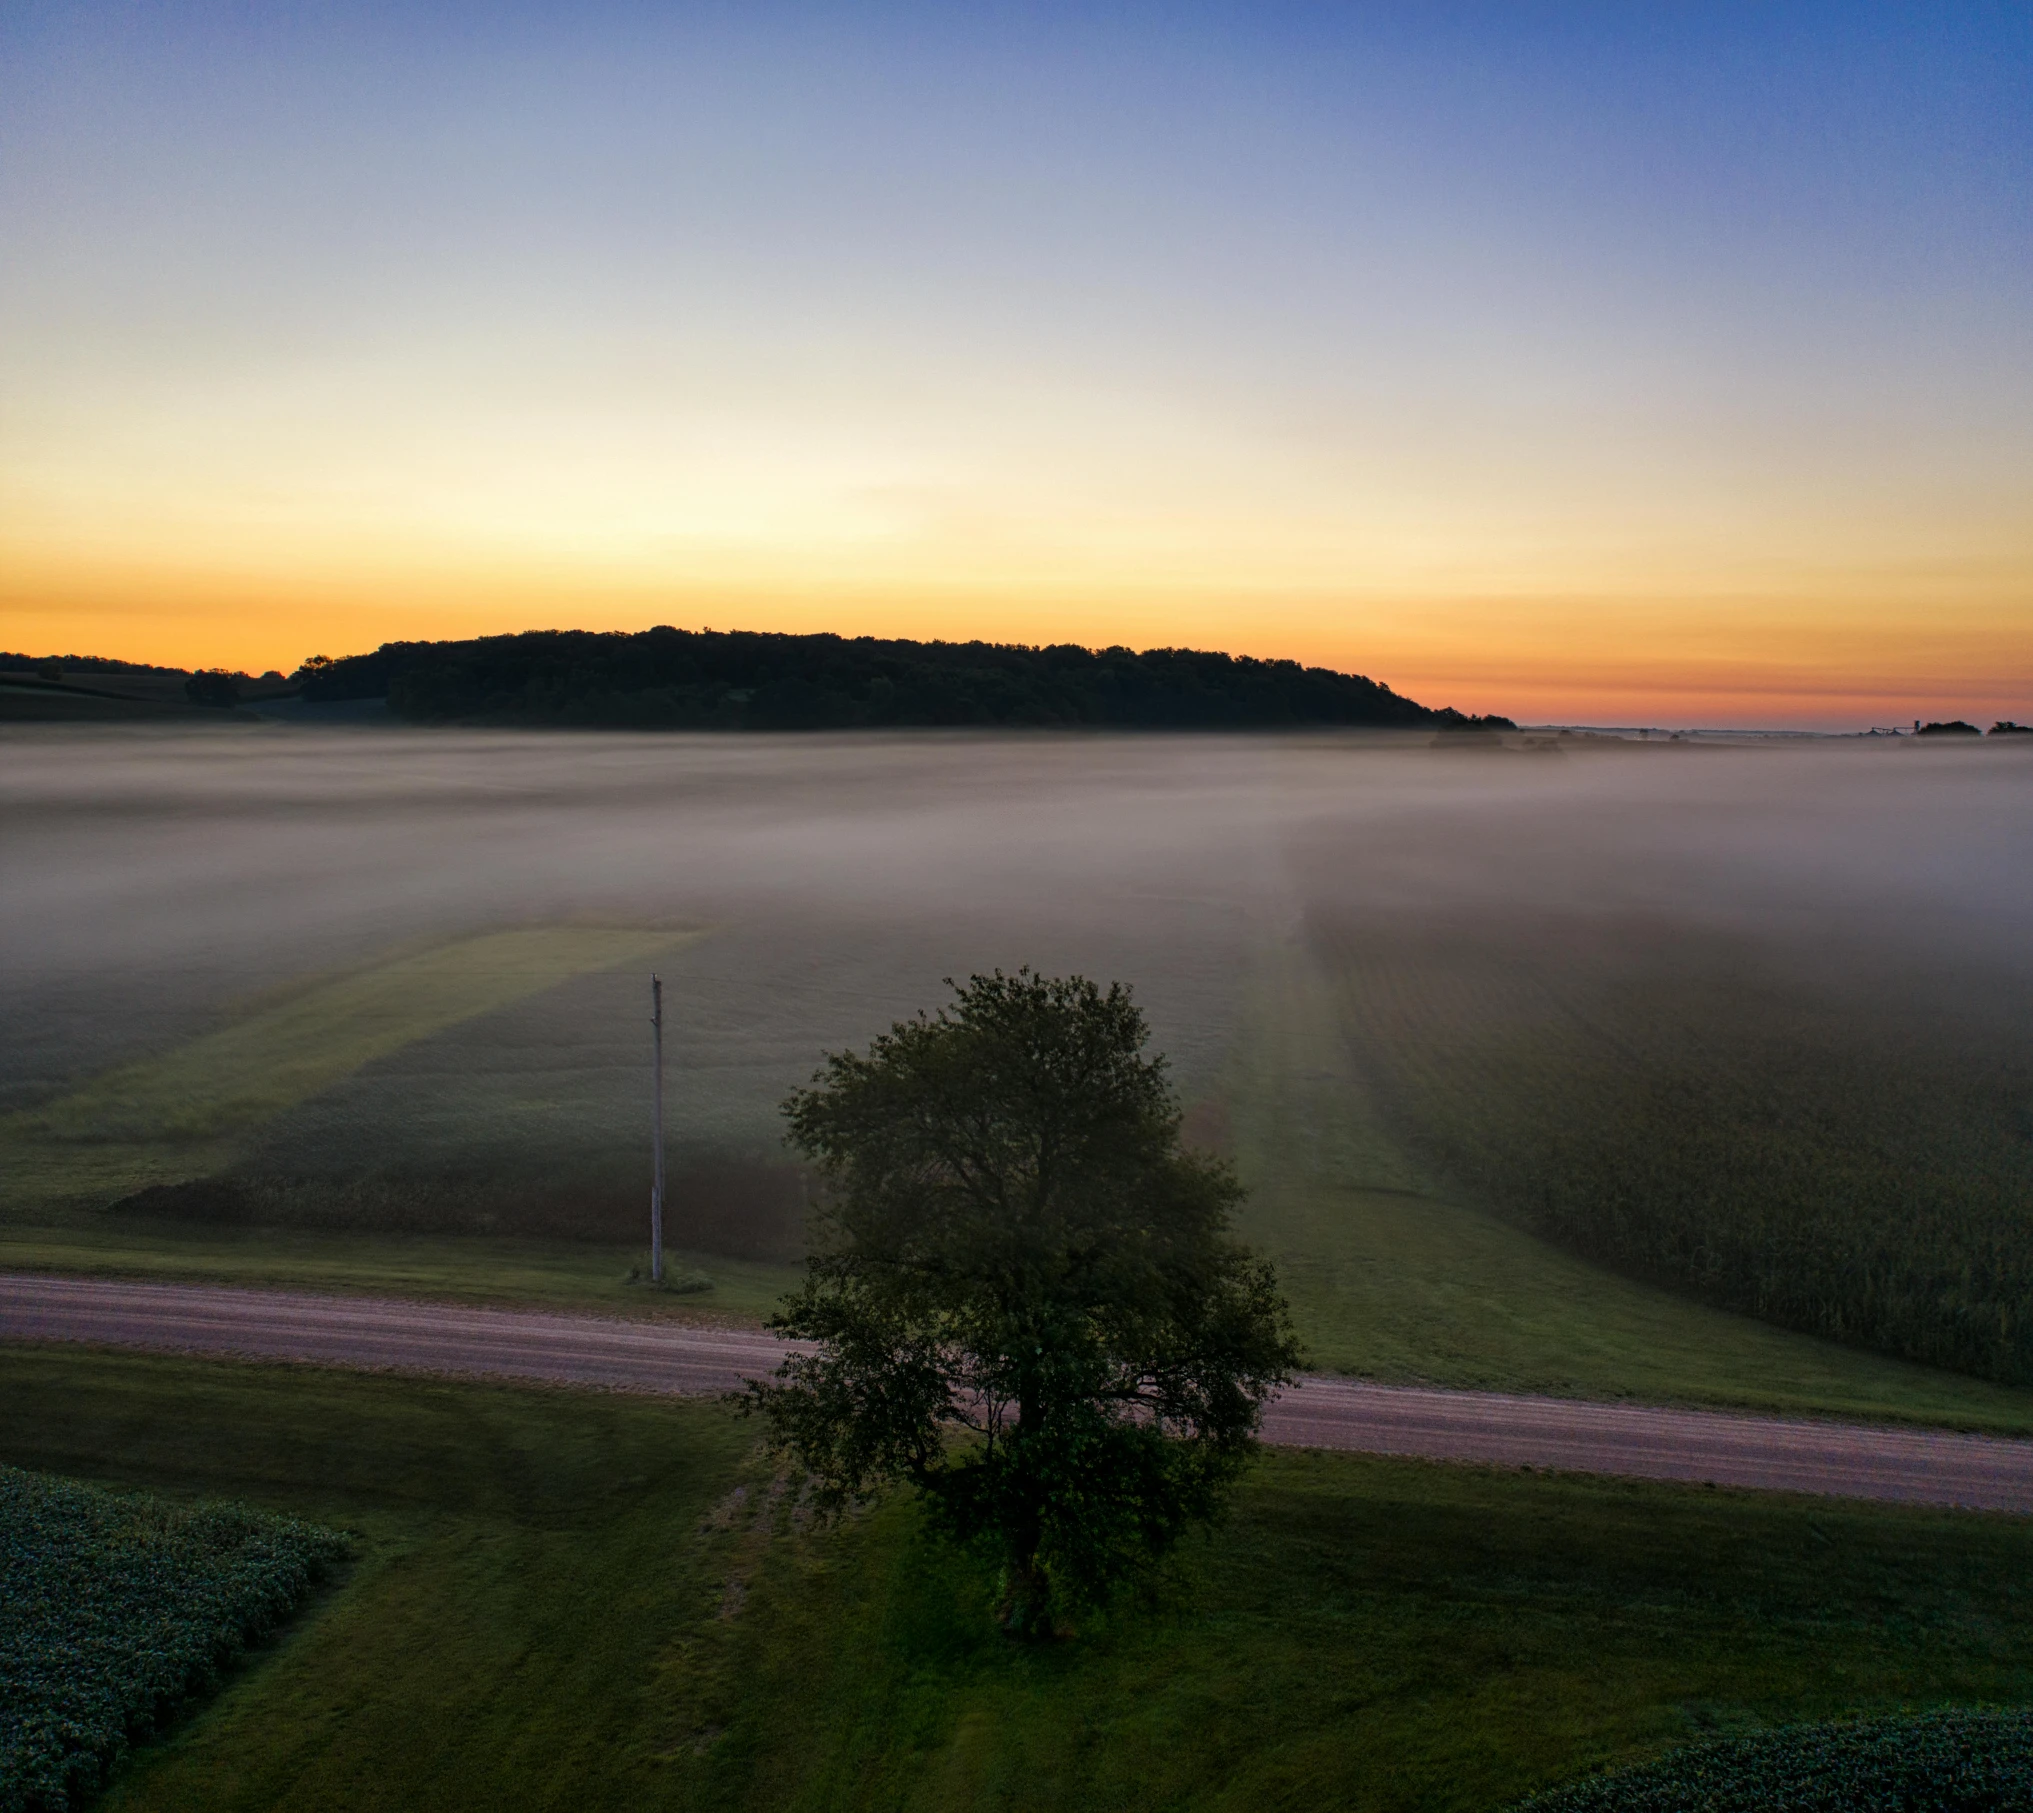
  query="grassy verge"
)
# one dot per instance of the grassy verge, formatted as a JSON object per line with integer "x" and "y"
{"x": 588, "y": 1601}
{"x": 522, "y": 1559}
{"x": 1392, "y": 1279}
{"x": 514, "y": 1272}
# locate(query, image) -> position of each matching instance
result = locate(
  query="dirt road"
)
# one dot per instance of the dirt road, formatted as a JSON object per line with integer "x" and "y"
{"x": 1845, "y": 1459}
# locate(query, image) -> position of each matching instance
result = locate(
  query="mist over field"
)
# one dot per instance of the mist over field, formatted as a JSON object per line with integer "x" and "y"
{"x": 155, "y": 881}
{"x": 1692, "y": 1011}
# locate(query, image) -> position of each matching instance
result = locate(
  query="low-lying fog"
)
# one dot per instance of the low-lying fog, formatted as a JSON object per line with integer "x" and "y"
{"x": 152, "y": 880}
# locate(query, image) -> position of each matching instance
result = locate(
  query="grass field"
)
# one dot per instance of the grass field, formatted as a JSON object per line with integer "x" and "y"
{"x": 585, "y": 1600}
{"x": 190, "y": 1110}
{"x": 524, "y": 1273}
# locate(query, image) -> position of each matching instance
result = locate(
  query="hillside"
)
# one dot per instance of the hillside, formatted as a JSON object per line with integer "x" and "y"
{"x": 742, "y": 680}
{"x": 101, "y": 689}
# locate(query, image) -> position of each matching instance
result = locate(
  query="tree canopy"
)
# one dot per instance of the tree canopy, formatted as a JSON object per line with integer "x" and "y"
{"x": 742, "y": 680}
{"x": 213, "y": 686}
{"x": 1023, "y": 1291}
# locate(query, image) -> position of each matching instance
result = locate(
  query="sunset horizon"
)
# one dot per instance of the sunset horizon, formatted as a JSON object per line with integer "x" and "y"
{"x": 1036, "y": 908}
{"x": 1555, "y": 364}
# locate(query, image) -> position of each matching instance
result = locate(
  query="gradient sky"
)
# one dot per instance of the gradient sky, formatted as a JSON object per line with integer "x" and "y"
{"x": 1634, "y": 363}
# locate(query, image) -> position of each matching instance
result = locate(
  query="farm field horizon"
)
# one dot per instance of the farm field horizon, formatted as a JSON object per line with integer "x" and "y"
{"x": 340, "y": 1048}
{"x": 367, "y": 1011}
{"x": 1123, "y": 909}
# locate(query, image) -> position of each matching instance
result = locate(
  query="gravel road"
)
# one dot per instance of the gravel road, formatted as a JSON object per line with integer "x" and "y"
{"x": 1844, "y": 1459}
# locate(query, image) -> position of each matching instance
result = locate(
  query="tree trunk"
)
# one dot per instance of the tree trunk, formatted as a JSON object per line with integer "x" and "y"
{"x": 1025, "y": 1609}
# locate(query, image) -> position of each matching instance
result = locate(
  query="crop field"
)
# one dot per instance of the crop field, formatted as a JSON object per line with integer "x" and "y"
{"x": 1940, "y": 1762}
{"x": 193, "y": 1109}
{"x": 1391, "y": 1275}
{"x": 301, "y": 1004}
{"x": 1548, "y": 1072}
{"x": 1672, "y": 1108}
{"x": 497, "y": 1084}
{"x": 117, "y": 1608}
{"x": 1398, "y": 1273}
{"x": 1371, "y": 1634}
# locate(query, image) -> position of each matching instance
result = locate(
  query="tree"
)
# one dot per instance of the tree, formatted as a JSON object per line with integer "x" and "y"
{"x": 215, "y": 686}
{"x": 1023, "y": 1292}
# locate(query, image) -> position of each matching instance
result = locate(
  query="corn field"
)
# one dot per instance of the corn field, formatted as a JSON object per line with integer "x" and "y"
{"x": 1856, "y": 1166}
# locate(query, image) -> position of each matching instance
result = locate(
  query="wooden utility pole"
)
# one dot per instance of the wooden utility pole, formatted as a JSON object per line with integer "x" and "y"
{"x": 656, "y": 1189}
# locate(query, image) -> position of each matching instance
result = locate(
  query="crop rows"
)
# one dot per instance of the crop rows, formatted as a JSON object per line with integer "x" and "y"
{"x": 1938, "y": 1762}
{"x": 1859, "y": 1168}
{"x": 115, "y": 1609}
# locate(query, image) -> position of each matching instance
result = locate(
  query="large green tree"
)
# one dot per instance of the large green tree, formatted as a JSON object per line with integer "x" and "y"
{"x": 1023, "y": 1294}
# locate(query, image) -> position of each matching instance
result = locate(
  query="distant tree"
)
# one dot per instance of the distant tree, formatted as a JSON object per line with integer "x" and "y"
{"x": 1955, "y": 727}
{"x": 735, "y": 680}
{"x": 213, "y": 686}
{"x": 1024, "y": 1293}
{"x": 54, "y": 667}
{"x": 2004, "y": 727}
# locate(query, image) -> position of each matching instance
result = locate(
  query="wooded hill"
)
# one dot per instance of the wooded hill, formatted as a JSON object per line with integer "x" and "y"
{"x": 744, "y": 680}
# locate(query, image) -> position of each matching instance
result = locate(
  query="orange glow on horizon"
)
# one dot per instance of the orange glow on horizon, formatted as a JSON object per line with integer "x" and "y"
{"x": 1575, "y": 377}
{"x": 1757, "y": 659}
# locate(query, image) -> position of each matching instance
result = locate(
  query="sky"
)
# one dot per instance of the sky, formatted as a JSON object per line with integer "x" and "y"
{"x": 1661, "y": 364}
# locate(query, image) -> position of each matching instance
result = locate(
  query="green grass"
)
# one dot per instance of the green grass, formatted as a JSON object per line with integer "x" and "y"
{"x": 522, "y": 1560}
{"x": 518, "y": 1273}
{"x": 185, "y": 1112}
{"x": 588, "y": 1601}
{"x": 1393, "y": 1277}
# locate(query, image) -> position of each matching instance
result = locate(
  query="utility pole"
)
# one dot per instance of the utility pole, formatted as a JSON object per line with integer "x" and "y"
{"x": 656, "y": 1189}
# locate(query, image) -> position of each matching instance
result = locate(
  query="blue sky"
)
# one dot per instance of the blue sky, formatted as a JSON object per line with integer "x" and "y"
{"x": 1575, "y": 355}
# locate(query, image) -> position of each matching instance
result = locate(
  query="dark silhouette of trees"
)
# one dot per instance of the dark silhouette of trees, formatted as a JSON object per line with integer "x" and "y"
{"x": 1023, "y": 1292}
{"x": 736, "y": 680}
{"x": 215, "y": 686}
{"x": 55, "y": 666}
